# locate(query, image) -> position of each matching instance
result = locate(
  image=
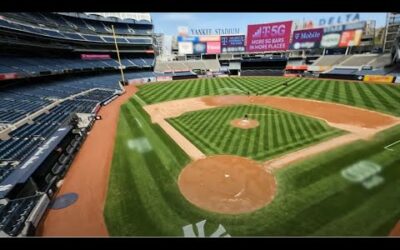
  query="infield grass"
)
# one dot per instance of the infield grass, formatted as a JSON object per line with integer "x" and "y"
{"x": 279, "y": 131}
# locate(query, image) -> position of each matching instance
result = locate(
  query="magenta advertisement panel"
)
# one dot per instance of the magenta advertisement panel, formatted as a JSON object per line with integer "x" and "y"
{"x": 268, "y": 36}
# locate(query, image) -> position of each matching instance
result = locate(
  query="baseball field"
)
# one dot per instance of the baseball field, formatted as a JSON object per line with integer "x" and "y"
{"x": 251, "y": 156}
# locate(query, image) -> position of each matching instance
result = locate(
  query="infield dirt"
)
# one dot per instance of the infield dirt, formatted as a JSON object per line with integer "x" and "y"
{"x": 244, "y": 123}
{"x": 227, "y": 184}
{"x": 396, "y": 230}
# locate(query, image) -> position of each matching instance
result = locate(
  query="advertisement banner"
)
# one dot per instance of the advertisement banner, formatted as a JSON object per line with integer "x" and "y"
{"x": 185, "y": 48}
{"x": 297, "y": 67}
{"x": 350, "y": 38}
{"x": 268, "y": 37}
{"x": 164, "y": 78}
{"x": 307, "y": 39}
{"x": 330, "y": 40}
{"x": 209, "y": 38}
{"x": 199, "y": 48}
{"x": 290, "y": 75}
{"x": 233, "y": 44}
{"x": 213, "y": 47}
{"x": 318, "y": 68}
{"x": 193, "y": 39}
{"x": 378, "y": 79}
{"x": 135, "y": 81}
{"x": 94, "y": 56}
{"x": 6, "y": 76}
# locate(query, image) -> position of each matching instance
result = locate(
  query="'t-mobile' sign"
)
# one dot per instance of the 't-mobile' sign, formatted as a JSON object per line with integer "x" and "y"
{"x": 268, "y": 37}
{"x": 233, "y": 43}
{"x": 307, "y": 39}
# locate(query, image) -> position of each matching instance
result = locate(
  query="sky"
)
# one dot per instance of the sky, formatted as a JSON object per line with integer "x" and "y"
{"x": 168, "y": 23}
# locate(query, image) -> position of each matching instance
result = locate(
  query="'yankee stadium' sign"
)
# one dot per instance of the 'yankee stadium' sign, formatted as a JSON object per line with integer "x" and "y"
{"x": 216, "y": 31}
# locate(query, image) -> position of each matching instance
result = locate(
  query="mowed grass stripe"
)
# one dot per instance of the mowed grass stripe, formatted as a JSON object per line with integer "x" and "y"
{"x": 172, "y": 93}
{"x": 258, "y": 134}
{"x": 236, "y": 132}
{"x": 364, "y": 97}
{"x": 220, "y": 122}
{"x": 381, "y": 97}
{"x": 286, "y": 129}
{"x": 392, "y": 91}
{"x": 300, "y": 89}
{"x": 215, "y": 134}
{"x": 195, "y": 139}
{"x": 276, "y": 134}
{"x": 378, "y": 97}
{"x": 299, "y": 129}
{"x": 254, "y": 135}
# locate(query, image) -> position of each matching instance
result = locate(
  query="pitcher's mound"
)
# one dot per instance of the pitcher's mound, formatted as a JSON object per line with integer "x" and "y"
{"x": 245, "y": 124}
{"x": 227, "y": 184}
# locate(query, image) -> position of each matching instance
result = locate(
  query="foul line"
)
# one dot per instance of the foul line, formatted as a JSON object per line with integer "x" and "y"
{"x": 262, "y": 114}
{"x": 394, "y": 143}
{"x": 143, "y": 103}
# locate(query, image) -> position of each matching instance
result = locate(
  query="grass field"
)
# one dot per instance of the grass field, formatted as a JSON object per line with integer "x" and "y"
{"x": 279, "y": 131}
{"x": 313, "y": 198}
{"x": 379, "y": 97}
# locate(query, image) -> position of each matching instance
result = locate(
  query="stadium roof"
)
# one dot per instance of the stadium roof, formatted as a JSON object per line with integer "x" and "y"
{"x": 123, "y": 15}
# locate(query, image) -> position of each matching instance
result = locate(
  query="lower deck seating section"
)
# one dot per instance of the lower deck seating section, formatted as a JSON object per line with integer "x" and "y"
{"x": 34, "y": 131}
{"x": 338, "y": 70}
{"x": 97, "y": 95}
{"x": 36, "y": 65}
{"x": 68, "y": 95}
{"x": 17, "y": 102}
{"x": 14, "y": 106}
{"x": 375, "y": 60}
{"x": 18, "y": 149}
{"x": 381, "y": 61}
{"x": 27, "y": 138}
{"x": 343, "y": 71}
{"x": 14, "y": 213}
{"x": 5, "y": 168}
{"x": 359, "y": 60}
{"x": 330, "y": 60}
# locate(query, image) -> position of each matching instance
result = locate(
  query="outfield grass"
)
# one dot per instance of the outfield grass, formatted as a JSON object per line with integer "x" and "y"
{"x": 379, "y": 97}
{"x": 279, "y": 131}
{"x": 145, "y": 160}
{"x": 312, "y": 197}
